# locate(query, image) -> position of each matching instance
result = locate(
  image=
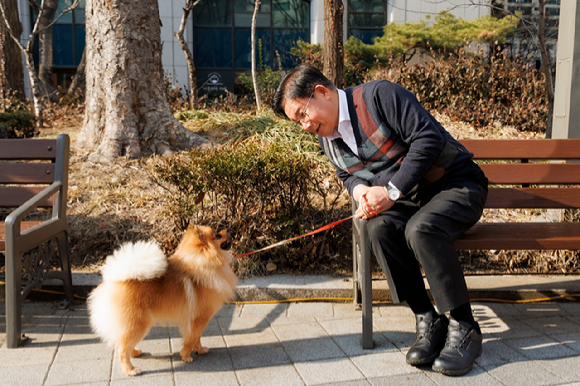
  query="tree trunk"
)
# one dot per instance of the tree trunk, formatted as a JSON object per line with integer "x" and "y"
{"x": 11, "y": 70}
{"x": 253, "y": 50}
{"x": 47, "y": 86}
{"x": 333, "y": 42}
{"x": 126, "y": 110}
{"x": 546, "y": 67}
{"x": 78, "y": 82}
{"x": 191, "y": 75}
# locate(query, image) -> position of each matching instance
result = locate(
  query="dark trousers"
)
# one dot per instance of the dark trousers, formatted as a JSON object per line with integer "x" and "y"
{"x": 420, "y": 230}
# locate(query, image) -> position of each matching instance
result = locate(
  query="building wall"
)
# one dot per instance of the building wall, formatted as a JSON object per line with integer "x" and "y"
{"x": 173, "y": 58}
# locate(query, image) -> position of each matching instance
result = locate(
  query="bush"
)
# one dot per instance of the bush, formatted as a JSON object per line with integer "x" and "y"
{"x": 18, "y": 124}
{"x": 263, "y": 192}
{"x": 475, "y": 89}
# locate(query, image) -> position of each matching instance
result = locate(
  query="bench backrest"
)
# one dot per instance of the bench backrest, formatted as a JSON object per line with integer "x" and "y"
{"x": 542, "y": 173}
{"x": 27, "y": 166}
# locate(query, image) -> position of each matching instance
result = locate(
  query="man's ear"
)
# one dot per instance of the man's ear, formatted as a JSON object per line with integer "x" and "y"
{"x": 324, "y": 91}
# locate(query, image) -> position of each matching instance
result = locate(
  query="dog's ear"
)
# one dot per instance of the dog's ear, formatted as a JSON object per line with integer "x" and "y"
{"x": 200, "y": 235}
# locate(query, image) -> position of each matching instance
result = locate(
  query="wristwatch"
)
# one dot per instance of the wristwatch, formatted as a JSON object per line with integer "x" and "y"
{"x": 392, "y": 191}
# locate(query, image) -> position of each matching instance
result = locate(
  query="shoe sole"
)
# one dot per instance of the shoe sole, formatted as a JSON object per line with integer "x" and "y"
{"x": 456, "y": 373}
{"x": 423, "y": 362}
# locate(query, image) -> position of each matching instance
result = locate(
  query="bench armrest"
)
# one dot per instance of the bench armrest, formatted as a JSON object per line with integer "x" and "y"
{"x": 15, "y": 218}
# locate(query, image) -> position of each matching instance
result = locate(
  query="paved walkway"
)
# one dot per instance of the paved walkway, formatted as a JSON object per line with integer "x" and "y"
{"x": 299, "y": 343}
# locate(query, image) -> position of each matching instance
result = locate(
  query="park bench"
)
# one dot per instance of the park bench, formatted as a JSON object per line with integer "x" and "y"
{"x": 523, "y": 174}
{"x": 33, "y": 174}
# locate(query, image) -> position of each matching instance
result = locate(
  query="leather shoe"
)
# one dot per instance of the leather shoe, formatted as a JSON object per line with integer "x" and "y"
{"x": 463, "y": 345}
{"x": 431, "y": 333}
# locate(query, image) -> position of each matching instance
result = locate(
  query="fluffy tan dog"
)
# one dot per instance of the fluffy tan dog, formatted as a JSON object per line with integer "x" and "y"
{"x": 141, "y": 287}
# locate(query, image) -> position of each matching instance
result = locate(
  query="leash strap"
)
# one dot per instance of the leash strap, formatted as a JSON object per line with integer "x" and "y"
{"x": 297, "y": 237}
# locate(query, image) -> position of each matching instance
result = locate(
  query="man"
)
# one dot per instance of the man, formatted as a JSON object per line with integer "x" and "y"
{"x": 418, "y": 188}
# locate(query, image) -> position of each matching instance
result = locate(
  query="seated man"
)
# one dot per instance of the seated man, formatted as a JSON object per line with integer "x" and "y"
{"x": 418, "y": 188}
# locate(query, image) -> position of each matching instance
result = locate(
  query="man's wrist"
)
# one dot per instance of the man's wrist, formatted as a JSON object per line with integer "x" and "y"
{"x": 393, "y": 192}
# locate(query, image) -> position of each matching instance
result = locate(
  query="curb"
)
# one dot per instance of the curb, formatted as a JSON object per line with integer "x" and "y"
{"x": 290, "y": 288}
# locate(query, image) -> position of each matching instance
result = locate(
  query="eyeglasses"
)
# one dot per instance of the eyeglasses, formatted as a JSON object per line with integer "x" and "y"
{"x": 304, "y": 113}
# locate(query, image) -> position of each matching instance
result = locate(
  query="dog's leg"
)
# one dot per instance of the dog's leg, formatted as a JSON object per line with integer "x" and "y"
{"x": 192, "y": 339}
{"x": 127, "y": 349}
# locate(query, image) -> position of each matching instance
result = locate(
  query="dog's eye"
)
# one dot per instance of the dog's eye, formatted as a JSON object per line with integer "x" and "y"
{"x": 218, "y": 236}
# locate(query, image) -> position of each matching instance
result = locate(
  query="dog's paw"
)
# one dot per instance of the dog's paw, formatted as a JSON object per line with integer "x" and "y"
{"x": 202, "y": 350}
{"x": 133, "y": 372}
{"x": 187, "y": 359}
{"x": 136, "y": 353}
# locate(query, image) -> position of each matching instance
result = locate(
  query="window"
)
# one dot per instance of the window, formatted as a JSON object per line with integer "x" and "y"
{"x": 222, "y": 30}
{"x": 366, "y": 19}
{"x": 68, "y": 41}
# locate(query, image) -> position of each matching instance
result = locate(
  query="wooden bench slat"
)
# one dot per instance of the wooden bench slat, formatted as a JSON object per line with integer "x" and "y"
{"x": 526, "y": 198}
{"x": 521, "y": 236}
{"x": 519, "y": 149}
{"x": 26, "y": 173}
{"x": 22, "y": 149}
{"x": 532, "y": 173}
{"x": 14, "y": 196}
{"x": 25, "y": 225}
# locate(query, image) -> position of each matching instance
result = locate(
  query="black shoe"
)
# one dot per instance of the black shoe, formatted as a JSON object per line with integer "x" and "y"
{"x": 431, "y": 333}
{"x": 463, "y": 345}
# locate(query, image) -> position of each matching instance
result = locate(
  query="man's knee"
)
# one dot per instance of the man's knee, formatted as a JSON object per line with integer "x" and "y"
{"x": 420, "y": 230}
{"x": 377, "y": 227}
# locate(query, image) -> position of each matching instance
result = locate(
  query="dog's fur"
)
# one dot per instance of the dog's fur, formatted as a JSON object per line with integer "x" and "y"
{"x": 141, "y": 287}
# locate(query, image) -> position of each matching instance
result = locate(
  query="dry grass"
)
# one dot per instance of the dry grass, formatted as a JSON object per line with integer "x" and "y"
{"x": 118, "y": 202}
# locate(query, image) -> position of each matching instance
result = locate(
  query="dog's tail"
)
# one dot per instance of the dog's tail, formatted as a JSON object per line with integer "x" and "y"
{"x": 142, "y": 260}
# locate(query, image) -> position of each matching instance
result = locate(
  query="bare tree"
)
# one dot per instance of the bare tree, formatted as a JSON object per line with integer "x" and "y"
{"x": 192, "y": 77}
{"x": 537, "y": 32}
{"x": 45, "y": 49}
{"x": 78, "y": 81}
{"x": 253, "y": 44}
{"x": 11, "y": 71}
{"x": 333, "y": 42}
{"x": 38, "y": 28}
{"x": 126, "y": 109}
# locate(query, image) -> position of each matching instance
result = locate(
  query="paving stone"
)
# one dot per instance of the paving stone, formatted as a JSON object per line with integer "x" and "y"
{"x": 476, "y": 377}
{"x": 566, "y": 368}
{"x": 522, "y": 374}
{"x": 541, "y": 347}
{"x": 328, "y": 371}
{"x": 383, "y": 364}
{"x": 306, "y": 310}
{"x": 270, "y": 375}
{"x": 96, "y": 370}
{"x": 30, "y": 375}
{"x": 496, "y": 352}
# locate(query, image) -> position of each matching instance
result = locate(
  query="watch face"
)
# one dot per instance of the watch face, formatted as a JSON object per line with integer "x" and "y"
{"x": 394, "y": 195}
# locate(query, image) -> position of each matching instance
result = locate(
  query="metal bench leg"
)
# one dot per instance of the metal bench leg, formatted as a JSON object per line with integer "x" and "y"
{"x": 13, "y": 296}
{"x": 366, "y": 289}
{"x": 64, "y": 254}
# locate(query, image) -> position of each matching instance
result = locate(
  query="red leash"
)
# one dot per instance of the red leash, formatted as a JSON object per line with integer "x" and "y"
{"x": 297, "y": 237}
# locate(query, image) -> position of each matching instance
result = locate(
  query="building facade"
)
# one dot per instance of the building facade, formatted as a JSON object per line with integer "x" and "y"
{"x": 218, "y": 32}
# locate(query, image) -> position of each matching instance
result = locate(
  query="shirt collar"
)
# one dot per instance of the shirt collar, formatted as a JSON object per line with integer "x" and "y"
{"x": 343, "y": 115}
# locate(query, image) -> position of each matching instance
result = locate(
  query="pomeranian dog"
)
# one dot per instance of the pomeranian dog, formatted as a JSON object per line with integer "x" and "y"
{"x": 141, "y": 287}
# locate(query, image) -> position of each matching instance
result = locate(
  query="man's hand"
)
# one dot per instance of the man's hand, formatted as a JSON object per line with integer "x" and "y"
{"x": 372, "y": 201}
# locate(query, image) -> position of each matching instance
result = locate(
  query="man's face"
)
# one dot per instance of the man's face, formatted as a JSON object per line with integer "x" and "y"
{"x": 317, "y": 114}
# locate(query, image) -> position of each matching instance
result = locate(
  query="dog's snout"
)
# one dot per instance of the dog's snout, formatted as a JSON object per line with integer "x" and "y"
{"x": 227, "y": 243}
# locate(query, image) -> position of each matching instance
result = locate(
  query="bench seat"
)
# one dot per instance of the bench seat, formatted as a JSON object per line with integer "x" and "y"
{"x": 521, "y": 236}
